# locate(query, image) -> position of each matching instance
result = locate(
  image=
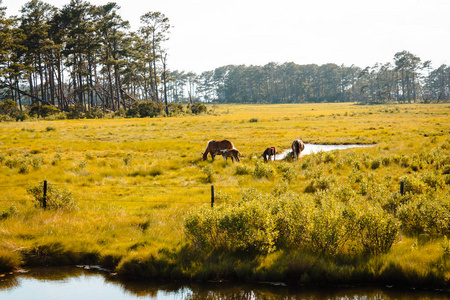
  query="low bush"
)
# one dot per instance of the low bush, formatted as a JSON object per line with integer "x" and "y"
{"x": 209, "y": 172}
{"x": 197, "y": 108}
{"x": 287, "y": 171}
{"x": 145, "y": 109}
{"x": 376, "y": 163}
{"x": 10, "y": 112}
{"x": 43, "y": 111}
{"x": 242, "y": 170}
{"x": 11, "y": 211}
{"x": 56, "y": 198}
{"x": 245, "y": 227}
{"x": 321, "y": 223}
{"x": 94, "y": 113}
{"x": 175, "y": 109}
{"x": 320, "y": 183}
{"x": 413, "y": 184}
{"x": 263, "y": 170}
{"x": 426, "y": 213}
{"x": 376, "y": 230}
{"x": 25, "y": 163}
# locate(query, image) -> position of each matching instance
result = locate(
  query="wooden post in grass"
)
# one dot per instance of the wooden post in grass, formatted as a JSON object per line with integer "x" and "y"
{"x": 44, "y": 202}
{"x": 212, "y": 196}
{"x": 402, "y": 188}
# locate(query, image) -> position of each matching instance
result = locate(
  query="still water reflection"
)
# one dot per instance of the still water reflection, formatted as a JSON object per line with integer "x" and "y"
{"x": 315, "y": 148}
{"x": 76, "y": 283}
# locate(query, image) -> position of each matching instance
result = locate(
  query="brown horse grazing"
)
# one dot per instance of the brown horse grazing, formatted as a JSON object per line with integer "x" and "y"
{"x": 233, "y": 153}
{"x": 297, "y": 148}
{"x": 215, "y": 147}
{"x": 268, "y": 153}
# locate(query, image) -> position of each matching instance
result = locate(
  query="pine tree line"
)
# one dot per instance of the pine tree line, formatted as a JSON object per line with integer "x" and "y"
{"x": 408, "y": 80}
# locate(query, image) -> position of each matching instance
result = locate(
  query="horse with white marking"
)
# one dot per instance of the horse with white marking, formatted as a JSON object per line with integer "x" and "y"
{"x": 233, "y": 154}
{"x": 269, "y": 153}
{"x": 297, "y": 147}
{"x": 217, "y": 147}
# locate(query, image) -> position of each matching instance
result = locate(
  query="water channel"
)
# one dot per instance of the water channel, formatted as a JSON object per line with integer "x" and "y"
{"x": 315, "y": 148}
{"x": 71, "y": 283}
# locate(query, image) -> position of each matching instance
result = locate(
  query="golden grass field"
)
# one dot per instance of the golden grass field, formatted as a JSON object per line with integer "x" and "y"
{"x": 134, "y": 180}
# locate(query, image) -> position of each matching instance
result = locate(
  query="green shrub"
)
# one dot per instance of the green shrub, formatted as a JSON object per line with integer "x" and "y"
{"x": 292, "y": 217}
{"x": 320, "y": 183}
{"x": 56, "y": 159}
{"x": 446, "y": 170}
{"x": 128, "y": 159}
{"x": 150, "y": 109}
{"x": 287, "y": 171}
{"x": 329, "y": 226}
{"x": 9, "y": 111}
{"x": 145, "y": 109}
{"x": 24, "y": 163}
{"x": 242, "y": 170}
{"x": 375, "y": 164}
{"x": 377, "y": 230}
{"x": 94, "y": 113}
{"x": 428, "y": 213}
{"x": 56, "y": 198}
{"x": 76, "y": 111}
{"x": 324, "y": 224}
{"x": 209, "y": 172}
{"x": 43, "y": 111}
{"x": 385, "y": 161}
{"x": 175, "y": 109}
{"x": 413, "y": 185}
{"x": 433, "y": 180}
{"x": 197, "y": 108}
{"x": 156, "y": 171}
{"x": 329, "y": 157}
{"x": 11, "y": 211}
{"x": 263, "y": 170}
{"x": 245, "y": 227}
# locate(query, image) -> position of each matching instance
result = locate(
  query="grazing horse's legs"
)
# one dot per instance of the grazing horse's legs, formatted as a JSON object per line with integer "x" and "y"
{"x": 295, "y": 150}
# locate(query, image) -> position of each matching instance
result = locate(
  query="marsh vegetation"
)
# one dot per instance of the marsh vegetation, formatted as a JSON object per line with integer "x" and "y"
{"x": 133, "y": 195}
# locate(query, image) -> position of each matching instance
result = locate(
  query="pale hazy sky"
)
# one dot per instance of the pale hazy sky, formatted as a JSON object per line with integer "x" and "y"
{"x": 207, "y": 34}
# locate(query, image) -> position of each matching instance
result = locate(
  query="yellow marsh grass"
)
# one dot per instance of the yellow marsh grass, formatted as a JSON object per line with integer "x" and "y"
{"x": 135, "y": 179}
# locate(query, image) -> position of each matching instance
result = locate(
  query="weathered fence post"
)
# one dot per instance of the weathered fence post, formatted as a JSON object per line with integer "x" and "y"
{"x": 44, "y": 202}
{"x": 212, "y": 196}
{"x": 402, "y": 188}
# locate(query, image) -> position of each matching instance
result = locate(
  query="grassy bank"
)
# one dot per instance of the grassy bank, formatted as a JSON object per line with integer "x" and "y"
{"x": 134, "y": 183}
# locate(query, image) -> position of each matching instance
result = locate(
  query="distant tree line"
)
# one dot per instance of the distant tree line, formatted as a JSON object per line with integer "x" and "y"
{"x": 408, "y": 80}
{"x": 84, "y": 60}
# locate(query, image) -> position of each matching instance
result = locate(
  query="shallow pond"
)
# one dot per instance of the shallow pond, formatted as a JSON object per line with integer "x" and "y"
{"x": 315, "y": 148}
{"x": 77, "y": 283}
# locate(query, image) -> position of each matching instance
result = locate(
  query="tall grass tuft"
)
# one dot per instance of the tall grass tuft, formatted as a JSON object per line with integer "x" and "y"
{"x": 9, "y": 260}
